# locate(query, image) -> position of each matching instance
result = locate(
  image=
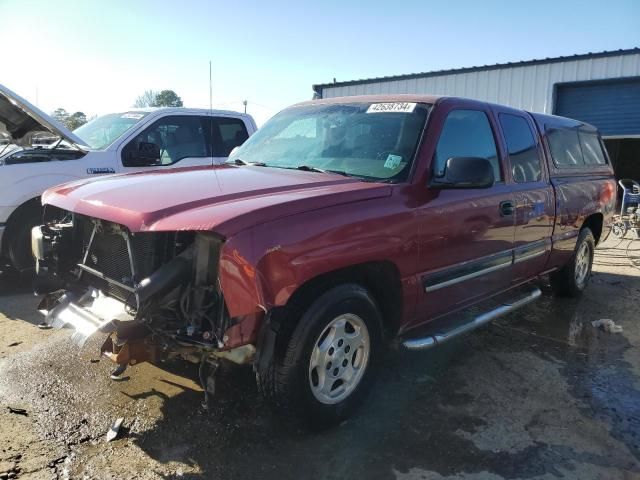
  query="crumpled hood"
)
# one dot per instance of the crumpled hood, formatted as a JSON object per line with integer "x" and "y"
{"x": 223, "y": 198}
{"x": 20, "y": 117}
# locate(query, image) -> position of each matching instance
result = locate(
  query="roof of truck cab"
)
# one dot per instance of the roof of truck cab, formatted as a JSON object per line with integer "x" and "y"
{"x": 556, "y": 121}
{"x": 199, "y": 111}
{"x": 541, "y": 118}
{"x": 404, "y": 97}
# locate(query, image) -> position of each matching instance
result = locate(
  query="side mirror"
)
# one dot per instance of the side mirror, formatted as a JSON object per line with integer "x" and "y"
{"x": 465, "y": 172}
{"x": 147, "y": 154}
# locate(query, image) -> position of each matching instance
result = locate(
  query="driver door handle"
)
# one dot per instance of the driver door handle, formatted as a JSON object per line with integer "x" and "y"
{"x": 507, "y": 208}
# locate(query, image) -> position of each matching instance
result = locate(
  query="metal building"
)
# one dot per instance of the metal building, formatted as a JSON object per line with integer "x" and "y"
{"x": 599, "y": 88}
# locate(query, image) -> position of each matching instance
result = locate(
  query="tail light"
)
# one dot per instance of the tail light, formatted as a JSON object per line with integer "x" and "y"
{"x": 608, "y": 193}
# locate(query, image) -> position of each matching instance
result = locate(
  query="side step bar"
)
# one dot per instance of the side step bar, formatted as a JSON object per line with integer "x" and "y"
{"x": 438, "y": 338}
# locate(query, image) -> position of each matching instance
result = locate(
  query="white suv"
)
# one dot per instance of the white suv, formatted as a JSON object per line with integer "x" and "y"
{"x": 133, "y": 140}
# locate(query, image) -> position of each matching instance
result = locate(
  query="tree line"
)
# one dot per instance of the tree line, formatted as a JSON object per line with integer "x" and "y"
{"x": 150, "y": 98}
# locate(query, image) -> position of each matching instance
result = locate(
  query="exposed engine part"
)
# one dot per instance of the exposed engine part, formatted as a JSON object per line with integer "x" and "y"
{"x": 168, "y": 277}
{"x": 165, "y": 281}
{"x": 200, "y": 303}
{"x": 198, "y": 306}
{"x": 52, "y": 245}
{"x": 156, "y": 294}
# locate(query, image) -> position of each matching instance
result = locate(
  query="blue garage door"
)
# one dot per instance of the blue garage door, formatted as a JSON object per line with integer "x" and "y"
{"x": 613, "y": 107}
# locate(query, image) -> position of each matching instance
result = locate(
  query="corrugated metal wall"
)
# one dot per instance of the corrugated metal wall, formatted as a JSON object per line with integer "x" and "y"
{"x": 528, "y": 87}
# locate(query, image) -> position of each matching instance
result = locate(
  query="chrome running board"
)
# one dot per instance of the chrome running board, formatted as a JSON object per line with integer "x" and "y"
{"x": 443, "y": 336}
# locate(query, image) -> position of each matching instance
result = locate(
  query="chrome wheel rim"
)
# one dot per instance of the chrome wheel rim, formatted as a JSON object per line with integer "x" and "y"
{"x": 583, "y": 257}
{"x": 339, "y": 359}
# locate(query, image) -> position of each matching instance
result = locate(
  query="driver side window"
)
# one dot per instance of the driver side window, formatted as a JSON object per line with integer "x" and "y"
{"x": 177, "y": 137}
{"x": 466, "y": 133}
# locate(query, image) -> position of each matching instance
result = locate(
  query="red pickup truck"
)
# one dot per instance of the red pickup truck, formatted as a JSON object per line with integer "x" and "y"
{"x": 341, "y": 224}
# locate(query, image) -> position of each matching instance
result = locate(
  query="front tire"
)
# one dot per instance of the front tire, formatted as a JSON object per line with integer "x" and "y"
{"x": 573, "y": 278}
{"x": 330, "y": 360}
{"x": 19, "y": 239}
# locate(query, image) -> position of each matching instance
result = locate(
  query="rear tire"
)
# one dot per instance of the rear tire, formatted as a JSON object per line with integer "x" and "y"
{"x": 573, "y": 278}
{"x": 330, "y": 360}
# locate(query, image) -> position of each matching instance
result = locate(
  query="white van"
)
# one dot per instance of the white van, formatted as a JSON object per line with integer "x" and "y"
{"x": 136, "y": 139}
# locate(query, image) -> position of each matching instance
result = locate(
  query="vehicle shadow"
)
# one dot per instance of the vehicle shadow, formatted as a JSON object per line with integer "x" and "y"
{"x": 17, "y": 301}
{"x": 11, "y": 283}
{"x": 421, "y": 415}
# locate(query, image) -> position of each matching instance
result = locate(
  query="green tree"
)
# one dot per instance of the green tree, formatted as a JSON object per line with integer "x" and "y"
{"x": 76, "y": 120}
{"x": 168, "y": 98}
{"x": 61, "y": 115}
{"x": 147, "y": 99}
{"x": 71, "y": 121}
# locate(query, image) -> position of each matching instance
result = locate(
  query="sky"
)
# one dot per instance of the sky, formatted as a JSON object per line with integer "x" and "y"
{"x": 97, "y": 57}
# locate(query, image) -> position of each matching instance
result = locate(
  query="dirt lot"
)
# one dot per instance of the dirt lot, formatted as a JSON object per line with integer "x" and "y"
{"x": 538, "y": 394}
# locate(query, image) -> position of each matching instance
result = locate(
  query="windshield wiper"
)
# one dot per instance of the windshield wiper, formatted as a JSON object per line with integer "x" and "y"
{"x": 239, "y": 161}
{"x": 309, "y": 168}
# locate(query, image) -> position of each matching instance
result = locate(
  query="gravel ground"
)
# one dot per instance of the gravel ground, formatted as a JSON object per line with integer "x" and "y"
{"x": 539, "y": 394}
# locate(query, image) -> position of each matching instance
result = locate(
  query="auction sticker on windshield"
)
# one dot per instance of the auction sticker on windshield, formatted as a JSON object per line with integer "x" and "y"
{"x": 400, "y": 107}
{"x": 392, "y": 161}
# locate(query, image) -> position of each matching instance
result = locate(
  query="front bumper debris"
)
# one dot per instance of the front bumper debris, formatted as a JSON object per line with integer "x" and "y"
{"x": 130, "y": 352}
{"x": 94, "y": 312}
{"x": 86, "y": 314}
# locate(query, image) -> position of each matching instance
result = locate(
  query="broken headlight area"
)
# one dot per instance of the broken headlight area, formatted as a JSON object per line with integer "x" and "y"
{"x": 155, "y": 293}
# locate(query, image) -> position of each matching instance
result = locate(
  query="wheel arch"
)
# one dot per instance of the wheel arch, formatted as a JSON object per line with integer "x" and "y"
{"x": 30, "y": 206}
{"x": 380, "y": 278}
{"x": 595, "y": 223}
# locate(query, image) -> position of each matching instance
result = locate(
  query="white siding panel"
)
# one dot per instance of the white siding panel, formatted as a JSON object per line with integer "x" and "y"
{"x": 459, "y": 84}
{"x": 438, "y": 85}
{"x": 481, "y": 90}
{"x": 629, "y": 65}
{"x": 598, "y": 68}
{"x": 583, "y": 69}
{"x": 421, "y": 85}
{"x": 529, "y": 87}
{"x": 492, "y": 84}
{"x": 540, "y": 92}
{"x": 472, "y": 85}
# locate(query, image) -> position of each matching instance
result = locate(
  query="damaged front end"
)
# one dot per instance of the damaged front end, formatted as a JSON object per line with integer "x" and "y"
{"x": 156, "y": 294}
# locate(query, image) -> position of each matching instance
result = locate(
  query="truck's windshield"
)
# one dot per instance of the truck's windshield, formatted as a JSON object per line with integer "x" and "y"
{"x": 372, "y": 141}
{"x": 103, "y": 131}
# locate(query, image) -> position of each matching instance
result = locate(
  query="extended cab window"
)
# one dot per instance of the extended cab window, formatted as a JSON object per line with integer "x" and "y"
{"x": 466, "y": 133}
{"x": 522, "y": 147}
{"x": 565, "y": 147}
{"x": 177, "y": 137}
{"x": 228, "y": 133}
{"x": 591, "y": 149}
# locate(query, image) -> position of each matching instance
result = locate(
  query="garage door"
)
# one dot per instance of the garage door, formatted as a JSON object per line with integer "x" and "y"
{"x": 613, "y": 107}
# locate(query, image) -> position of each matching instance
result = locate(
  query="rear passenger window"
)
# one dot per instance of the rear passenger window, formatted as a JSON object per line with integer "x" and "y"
{"x": 466, "y": 133}
{"x": 591, "y": 149}
{"x": 523, "y": 151}
{"x": 228, "y": 133}
{"x": 565, "y": 147}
